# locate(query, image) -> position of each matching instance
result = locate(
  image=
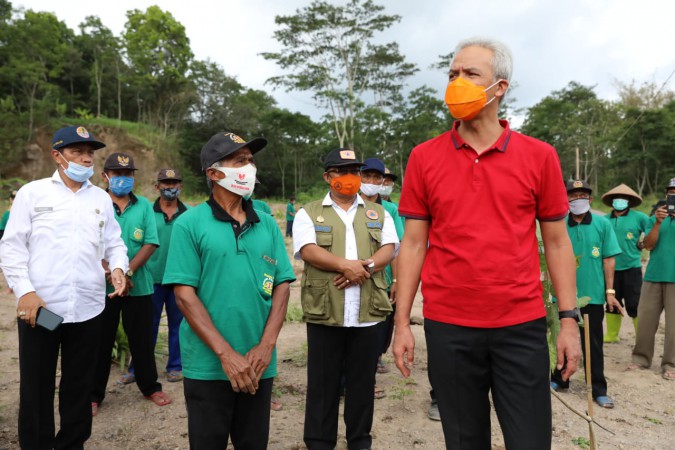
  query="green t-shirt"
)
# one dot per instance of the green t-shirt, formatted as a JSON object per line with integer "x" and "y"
{"x": 628, "y": 228}
{"x": 392, "y": 209}
{"x": 661, "y": 266}
{"x": 3, "y": 221}
{"x": 138, "y": 226}
{"x": 233, "y": 277}
{"x": 164, "y": 226}
{"x": 593, "y": 240}
{"x": 290, "y": 212}
{"x": 260, "y": 205}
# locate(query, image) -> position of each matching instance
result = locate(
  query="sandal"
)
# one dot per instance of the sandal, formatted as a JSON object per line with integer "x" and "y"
{"x": 275, "y": 405}
{"x": 127, "y": 378}
{"x": 379, "y": 393}
{"x": 633, "y": 366}
{"x": 668, "y": 375}
{"x": 159, "y": 398}
{"x": 174, "y": 376}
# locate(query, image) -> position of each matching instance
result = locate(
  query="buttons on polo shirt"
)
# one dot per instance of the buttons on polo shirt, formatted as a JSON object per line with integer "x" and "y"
{"x": 476, "y": 161}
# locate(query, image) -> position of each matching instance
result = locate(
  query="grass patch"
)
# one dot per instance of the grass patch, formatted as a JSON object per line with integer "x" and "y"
{"x": 294, "y": 314}
{"x": 581, "y": 442}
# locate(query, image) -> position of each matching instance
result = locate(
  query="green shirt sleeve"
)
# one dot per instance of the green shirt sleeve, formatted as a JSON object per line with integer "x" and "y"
{"x": 284, "y": 269}
{"x": 150, "y": 236}
{"x": 4, "y": 220}
{"x": 610, "y": 246}
{"x": 183, "y": 264}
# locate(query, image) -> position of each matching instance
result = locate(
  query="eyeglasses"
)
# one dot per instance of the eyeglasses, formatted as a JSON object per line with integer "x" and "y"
{"x": 345, "y": 171}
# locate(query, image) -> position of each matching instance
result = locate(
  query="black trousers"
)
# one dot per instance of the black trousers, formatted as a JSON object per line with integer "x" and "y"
{"x": 386, "y": 330}
{"x": 332, "y": 351}
{"x": 216, "y": 413}
{"x": 628, "y": 284}
{"x": 137, "y": 323}
{"x": 465, "y": 364}
{"x": 596, "y": 314}
{"x": 38, "y": 355}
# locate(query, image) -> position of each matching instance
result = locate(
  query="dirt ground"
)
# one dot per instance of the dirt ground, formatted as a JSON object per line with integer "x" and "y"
{"x": 644, "y": 417}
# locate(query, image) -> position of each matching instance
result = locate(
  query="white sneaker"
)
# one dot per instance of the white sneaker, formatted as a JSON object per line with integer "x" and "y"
{"x": 433, "y": 413}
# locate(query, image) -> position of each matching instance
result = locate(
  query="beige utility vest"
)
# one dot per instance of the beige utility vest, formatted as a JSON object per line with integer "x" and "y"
{"x": 322, "y": 302}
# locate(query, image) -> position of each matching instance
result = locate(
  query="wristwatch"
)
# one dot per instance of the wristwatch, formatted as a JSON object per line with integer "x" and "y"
{"x": 371, "y": 267}
{"x": 130, "y": 273}
{"x": 569, "y": 314}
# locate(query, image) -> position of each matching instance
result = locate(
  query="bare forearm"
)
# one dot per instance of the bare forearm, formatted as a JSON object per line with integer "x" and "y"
{"x": 561, "y": 263}
{"x": 383, "y": 256}
{"x": 408, "y": 280}
{"x": 275, "y": 320}
{"x": 653, "y": 237}
{"x": 608, "y": 266}
{"x": 199, "y": 320}
{"x": 321, "y": 258}
{"x": 142, "y": 257}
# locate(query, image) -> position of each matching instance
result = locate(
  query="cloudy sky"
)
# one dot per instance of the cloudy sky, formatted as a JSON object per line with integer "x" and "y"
{"x": 594, "y": 42}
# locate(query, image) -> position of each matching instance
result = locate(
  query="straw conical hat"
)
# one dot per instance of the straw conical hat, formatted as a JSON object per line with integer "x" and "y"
{"x": 622, "y": 189}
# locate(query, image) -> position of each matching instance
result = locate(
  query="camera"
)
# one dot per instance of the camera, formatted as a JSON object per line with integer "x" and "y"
{"x": 670, "y": 205}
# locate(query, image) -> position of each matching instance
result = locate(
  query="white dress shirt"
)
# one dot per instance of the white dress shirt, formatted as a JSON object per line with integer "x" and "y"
{"x": 54, "y": 243}
{"x": 304, "y": 233}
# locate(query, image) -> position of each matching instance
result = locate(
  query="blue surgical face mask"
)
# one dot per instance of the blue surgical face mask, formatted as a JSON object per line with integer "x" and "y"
{"x": 169, "y": 193}
{"x": 121, "y": 186}
{"x": 77, "y": 172}
{"x": 619, "y": 204}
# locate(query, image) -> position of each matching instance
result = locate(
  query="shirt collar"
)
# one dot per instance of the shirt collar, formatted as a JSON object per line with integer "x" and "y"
{"x": 500, "y": 144}
{"x": 220, "y": 214}
{"x": 158, "y": 208}
{"x": 588, "y": 218}
{"x": 56, "y": 178}
{"x": 328, "y": 200}
{"x": 613, "y": 214}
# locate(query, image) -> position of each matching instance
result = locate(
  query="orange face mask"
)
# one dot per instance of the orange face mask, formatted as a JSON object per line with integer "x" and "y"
{"x": 346, "y": 184}
{"x": 465, "y": 100}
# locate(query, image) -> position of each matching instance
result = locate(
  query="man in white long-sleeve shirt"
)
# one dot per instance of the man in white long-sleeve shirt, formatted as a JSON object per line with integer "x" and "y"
{"x": 59, "y": 231}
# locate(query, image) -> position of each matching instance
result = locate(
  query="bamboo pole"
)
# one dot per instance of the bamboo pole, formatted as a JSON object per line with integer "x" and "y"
{"x": 589, "y": 387}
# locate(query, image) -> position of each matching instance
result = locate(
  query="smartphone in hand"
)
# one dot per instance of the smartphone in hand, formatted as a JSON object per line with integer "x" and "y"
{"x": 48, "y": 320}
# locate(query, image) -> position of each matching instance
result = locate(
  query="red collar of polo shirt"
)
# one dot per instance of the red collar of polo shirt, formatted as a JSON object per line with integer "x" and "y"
{"x": 500, "y": 145}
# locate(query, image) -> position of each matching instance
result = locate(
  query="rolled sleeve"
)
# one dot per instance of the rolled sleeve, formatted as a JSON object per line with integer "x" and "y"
{"x": 303, "y": 232}
{"x": 115, "y": 250}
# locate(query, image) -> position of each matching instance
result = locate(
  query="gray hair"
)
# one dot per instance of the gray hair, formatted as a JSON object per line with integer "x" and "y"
{"x": 209, "y": 183}
{"x": 502, "y": 60}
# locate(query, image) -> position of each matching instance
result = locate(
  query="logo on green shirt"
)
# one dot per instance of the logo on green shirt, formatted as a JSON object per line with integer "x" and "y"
{"x": 268, "y": 283}
{"x": 596, "y": 252}
{"x": 138, "y": 234}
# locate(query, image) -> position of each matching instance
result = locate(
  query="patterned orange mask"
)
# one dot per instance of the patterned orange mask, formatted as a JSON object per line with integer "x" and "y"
{"x": 348, "y": 185}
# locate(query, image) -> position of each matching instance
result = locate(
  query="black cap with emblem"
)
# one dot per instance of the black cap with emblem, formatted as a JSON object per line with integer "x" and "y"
{"x": 224, "y": 144}
{"x": 341, "y": 157}
{"x": 119, "y": 161}
{"x": 573, "y": 185}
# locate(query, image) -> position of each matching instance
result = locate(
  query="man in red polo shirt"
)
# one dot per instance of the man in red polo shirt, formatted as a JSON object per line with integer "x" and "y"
{"x": 484, "y": 315}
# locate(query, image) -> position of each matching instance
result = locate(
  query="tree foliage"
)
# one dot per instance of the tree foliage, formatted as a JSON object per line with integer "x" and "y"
{"x": 329, "y": 50}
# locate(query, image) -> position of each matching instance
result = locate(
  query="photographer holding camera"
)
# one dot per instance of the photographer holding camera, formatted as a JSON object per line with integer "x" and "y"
{"x": 658, "y": 289}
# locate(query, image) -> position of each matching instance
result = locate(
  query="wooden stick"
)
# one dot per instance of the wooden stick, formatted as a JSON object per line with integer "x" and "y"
{"x": 586, "y": 417}
{"x": 589, "y": 386}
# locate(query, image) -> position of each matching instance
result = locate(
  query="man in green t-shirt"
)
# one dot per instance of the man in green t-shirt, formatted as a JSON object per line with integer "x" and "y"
{"x": 595, "y": 247}
{"x": 231, "y": 274}
{"x": 628, "y": 225}
{"x": 167, "y": 209}
{"x": 388, "y": 185}
{"x": 290, "y": 216}
{"x": 139, "y": 232}
{"x": 658, "y": 290}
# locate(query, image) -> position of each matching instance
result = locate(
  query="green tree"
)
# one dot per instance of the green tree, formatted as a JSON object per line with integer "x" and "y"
{"x": 575, "y": 118}
{"x": 159, "y": 54}
{"x": 33, "y": 56}
{"x": 329, "y": 50}
{"x": 101, "y": 53}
